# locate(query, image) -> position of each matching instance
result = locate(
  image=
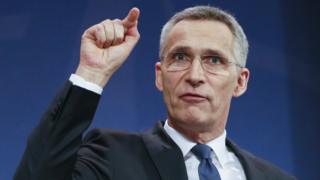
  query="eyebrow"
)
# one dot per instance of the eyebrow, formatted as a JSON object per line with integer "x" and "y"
{"x": 180, "y": 49}
{"x": 204, "y": 51}
{"x": 213, "y": 52}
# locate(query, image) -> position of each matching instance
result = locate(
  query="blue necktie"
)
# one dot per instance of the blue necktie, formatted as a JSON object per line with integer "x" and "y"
{"x": 206, "y": 170}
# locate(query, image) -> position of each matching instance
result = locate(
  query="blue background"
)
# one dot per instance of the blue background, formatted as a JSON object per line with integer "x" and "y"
{"x": 277, "y": 119}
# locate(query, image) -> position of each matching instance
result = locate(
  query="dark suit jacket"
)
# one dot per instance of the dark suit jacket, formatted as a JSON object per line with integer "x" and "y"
{"x": 56, "y": 150}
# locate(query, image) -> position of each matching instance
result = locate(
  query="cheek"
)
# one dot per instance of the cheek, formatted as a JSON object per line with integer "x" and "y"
{"x": 170, "y": 85}
{"x": 222, "y": 90}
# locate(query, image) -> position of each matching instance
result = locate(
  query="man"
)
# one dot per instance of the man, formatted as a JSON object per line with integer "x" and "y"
{"x": 203, "y": 54}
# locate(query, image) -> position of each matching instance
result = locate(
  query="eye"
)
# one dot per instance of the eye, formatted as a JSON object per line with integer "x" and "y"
{"x": 179, "y": 57}
{"x": 214, "y": 59}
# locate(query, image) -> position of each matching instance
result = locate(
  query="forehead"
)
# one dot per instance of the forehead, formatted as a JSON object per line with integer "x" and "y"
{"x": 200, "y": 34}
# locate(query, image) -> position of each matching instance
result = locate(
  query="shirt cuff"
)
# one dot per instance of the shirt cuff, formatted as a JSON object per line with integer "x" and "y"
{"x": 79, "y": 81}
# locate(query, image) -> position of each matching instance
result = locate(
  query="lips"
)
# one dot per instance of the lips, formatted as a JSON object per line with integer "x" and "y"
{"x": 193, "y": 97}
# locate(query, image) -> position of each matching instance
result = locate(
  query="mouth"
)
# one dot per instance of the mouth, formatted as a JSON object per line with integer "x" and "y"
{"x": 193, "y": 97}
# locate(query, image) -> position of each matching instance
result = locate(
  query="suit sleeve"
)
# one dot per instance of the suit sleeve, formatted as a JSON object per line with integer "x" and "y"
{"x": 51, "y": 151}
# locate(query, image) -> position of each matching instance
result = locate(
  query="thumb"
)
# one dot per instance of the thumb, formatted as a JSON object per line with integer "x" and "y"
{"x": 132, "y": 37}
{"x": 132, "y": 18}
{"x": 130, "y": 23}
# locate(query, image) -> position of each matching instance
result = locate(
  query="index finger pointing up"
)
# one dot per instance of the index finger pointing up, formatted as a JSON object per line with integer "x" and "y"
{"x": 131, "y": 18}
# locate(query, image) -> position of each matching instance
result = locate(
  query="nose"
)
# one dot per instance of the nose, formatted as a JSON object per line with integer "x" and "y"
{"x": 195, "y": 75}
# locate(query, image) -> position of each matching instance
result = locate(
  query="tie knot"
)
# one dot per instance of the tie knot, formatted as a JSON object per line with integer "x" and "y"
{"x": 202, "y": 151}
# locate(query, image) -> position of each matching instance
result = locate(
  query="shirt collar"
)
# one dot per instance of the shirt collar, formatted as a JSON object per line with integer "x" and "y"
{"x": 218, "y": 145}
{"x": 184, "y": 144}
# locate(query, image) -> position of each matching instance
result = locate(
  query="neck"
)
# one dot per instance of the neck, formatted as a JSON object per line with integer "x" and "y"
{"x": 198, "y": 133}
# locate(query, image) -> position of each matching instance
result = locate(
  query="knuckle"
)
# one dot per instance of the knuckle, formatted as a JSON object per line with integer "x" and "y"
{"x": 84, "y": 35}
{"x": 99, "y": 28}
{"x": 106, "y": 21}
{"x": 117, "y": 21}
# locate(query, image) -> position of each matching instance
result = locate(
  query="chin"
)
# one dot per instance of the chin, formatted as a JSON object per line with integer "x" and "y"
{"x": 191, "y": 120}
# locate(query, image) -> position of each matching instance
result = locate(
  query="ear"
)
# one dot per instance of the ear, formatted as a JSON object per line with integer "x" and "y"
{"x": 158, "y": 76}
{"x": 242, "y": 82}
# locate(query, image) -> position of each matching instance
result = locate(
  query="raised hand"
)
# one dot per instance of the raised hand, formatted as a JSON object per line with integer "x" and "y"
{"x": 105, "y": 46}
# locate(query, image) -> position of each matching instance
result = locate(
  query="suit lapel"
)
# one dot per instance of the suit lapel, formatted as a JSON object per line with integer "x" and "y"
{"x": 165, "y": 154}
{"x": 251, "y": 170}
{"x": 169, "y": 160}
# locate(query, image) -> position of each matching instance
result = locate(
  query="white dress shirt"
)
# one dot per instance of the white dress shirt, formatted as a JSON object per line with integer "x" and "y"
{"x": 79, "y": 81}
{"x": 226, "y": 162}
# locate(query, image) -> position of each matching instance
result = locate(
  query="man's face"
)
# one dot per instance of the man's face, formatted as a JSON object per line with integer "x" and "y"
{"x": 194, "y": 97}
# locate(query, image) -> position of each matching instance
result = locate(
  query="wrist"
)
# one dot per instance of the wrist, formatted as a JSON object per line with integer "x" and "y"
{"x": 92, "y": 75}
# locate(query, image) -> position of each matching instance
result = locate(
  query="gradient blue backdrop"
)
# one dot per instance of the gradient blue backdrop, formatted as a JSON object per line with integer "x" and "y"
{"x": 277, "y": 119}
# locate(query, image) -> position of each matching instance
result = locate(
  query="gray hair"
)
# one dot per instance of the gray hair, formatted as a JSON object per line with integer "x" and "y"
{"x": 241, "y": 45}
